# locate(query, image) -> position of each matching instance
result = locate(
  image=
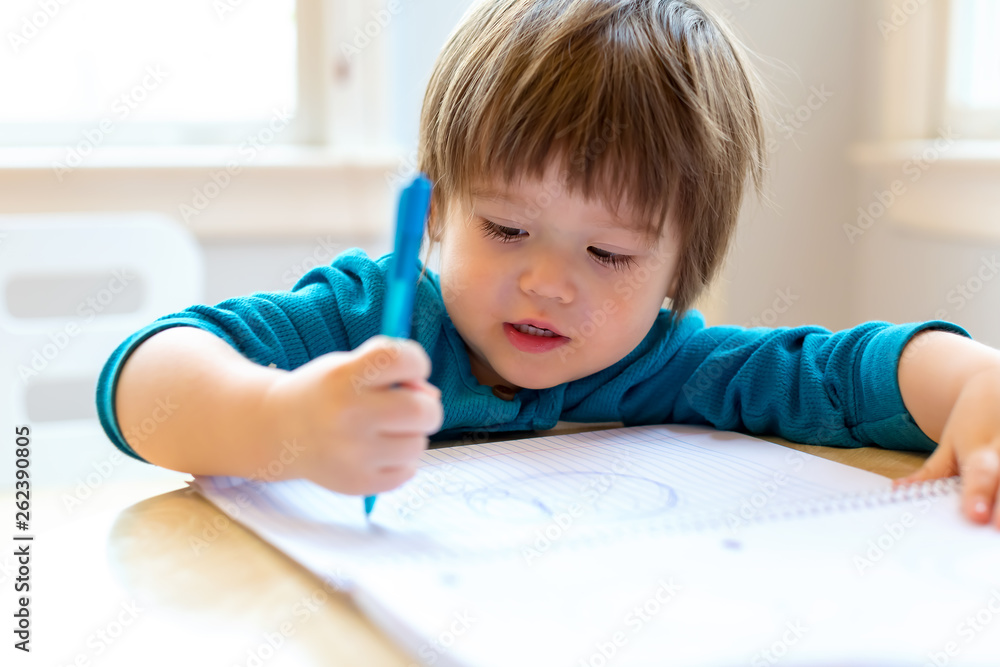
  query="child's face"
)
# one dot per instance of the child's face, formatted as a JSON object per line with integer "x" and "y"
{"x": 535, "y": 254}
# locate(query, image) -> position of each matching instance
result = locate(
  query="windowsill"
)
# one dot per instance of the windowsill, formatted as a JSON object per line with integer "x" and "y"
{"x": 195, "y": 157}
{"x": 937, "y": 186}
{"x": 960, "y": 153}
{"x": 217, "y": 192}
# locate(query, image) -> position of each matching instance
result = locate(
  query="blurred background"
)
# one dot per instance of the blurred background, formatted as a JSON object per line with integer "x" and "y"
{"x": 155, "y": 155}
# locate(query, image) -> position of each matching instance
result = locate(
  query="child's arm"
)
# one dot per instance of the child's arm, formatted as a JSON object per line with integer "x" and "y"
{"x": 329, "y": 420}
{"x": 806, "y": 384}
{"x": 209, "y": 398}
{"x": 951, "y": 387}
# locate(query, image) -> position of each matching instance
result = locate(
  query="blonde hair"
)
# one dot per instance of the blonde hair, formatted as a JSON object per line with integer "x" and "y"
{"x": 650, "y": 102}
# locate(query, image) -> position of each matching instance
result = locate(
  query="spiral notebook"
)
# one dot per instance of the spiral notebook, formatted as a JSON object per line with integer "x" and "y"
{"x": 651, "y": 545}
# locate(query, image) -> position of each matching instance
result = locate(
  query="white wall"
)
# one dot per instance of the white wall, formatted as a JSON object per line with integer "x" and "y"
{"x": 793, "y": 250}
{"x": 791, "y": 255}
{"x": 416, "y": 34}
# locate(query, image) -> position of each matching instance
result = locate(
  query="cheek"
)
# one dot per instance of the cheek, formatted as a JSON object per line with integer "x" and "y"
{"x": 465, "y": 282}
{"x": 633, "y": 306}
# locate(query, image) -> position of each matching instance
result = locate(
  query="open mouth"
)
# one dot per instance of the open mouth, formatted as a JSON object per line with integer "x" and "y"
{"x": 534, "y": 331}
{"x": 529, "y": 338}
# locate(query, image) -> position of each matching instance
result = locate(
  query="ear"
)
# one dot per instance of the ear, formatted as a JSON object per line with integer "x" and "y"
{"x": 672, "y": 290}
{"x": 433, "y": 223}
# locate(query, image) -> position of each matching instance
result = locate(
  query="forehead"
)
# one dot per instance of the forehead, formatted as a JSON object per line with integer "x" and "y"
{"x": 532, "y": 197}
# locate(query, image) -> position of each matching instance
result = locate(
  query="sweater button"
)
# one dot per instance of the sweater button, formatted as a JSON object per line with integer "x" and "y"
{"x": 504, "y": 392}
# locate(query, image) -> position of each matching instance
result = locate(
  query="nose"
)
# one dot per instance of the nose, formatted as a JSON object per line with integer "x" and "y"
{"x": 548, "y": 278}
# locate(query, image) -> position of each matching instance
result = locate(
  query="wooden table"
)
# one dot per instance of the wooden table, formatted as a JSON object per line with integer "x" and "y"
{"x": 160, "y": 576}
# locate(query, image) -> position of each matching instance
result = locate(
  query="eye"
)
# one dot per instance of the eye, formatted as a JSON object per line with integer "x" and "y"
{"x": 501, "y": 233}
{"x": 611, "y": 259}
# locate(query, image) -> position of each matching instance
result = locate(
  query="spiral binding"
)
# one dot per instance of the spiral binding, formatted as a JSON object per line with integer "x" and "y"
{"x": 589, "y": 535}
{"x": 694, "y": 523}
{"x": 697, "y": 522}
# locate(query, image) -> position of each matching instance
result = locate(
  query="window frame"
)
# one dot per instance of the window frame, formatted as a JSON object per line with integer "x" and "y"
{"x": 340, "y": 178}
{"x": 949, "y": 178}
{"x": 333, "y": 94}
{"x": 981, "y": 124}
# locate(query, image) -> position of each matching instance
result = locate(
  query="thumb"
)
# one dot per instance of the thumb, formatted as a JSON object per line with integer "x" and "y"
{"x": 940, "y": 464}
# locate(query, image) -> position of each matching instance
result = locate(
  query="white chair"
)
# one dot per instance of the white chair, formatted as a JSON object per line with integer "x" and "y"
{"x": 72, "y": 288}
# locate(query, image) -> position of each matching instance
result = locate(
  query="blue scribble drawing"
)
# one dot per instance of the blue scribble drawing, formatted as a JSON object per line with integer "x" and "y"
{"x": 590, "y": 497}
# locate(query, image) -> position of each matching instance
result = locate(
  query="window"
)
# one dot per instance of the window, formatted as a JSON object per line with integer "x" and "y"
{"x": 169, "y": 106}
{"x": 973, "y": 87}
{"x": 127, "y": 72}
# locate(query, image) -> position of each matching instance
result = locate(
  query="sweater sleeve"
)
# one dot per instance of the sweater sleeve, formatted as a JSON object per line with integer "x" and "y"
{"x": 330, "y": 308}
{"x": 806, "y": 384}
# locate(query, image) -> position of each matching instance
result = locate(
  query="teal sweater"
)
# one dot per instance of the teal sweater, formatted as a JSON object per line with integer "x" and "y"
{"x": 805, "y": 384}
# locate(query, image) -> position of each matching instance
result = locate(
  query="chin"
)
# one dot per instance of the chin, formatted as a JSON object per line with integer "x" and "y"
{"x": 531, "y": 381}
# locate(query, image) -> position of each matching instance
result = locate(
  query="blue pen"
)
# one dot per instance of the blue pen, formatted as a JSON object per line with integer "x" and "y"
{"x": 414, "y": 202}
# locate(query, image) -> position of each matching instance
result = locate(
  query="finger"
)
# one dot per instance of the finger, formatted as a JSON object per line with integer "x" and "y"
{"x": 368, "y": 481}
{"x": 390, "y": 451}
{"x": 940, "y": 464}
{"x": 403, "y": 410}
{"x": 980, "y": 477}
{"x": 390, "y": 477}
{"x": 422, "y": 386}
{"x": 382, "y": 362}
{"x": 996, "y": 513}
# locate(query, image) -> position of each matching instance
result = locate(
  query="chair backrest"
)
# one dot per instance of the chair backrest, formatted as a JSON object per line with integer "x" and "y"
{"x": 72, "y": 288}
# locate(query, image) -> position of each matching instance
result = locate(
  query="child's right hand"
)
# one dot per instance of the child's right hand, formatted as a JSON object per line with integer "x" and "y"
{"x": 356, "y": 431}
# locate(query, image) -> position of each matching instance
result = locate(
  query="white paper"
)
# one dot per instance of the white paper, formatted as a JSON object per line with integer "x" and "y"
{"x": 539, "y": 551}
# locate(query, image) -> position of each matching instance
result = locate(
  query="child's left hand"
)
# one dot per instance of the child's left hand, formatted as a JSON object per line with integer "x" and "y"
{"x": 970, "y": 446}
